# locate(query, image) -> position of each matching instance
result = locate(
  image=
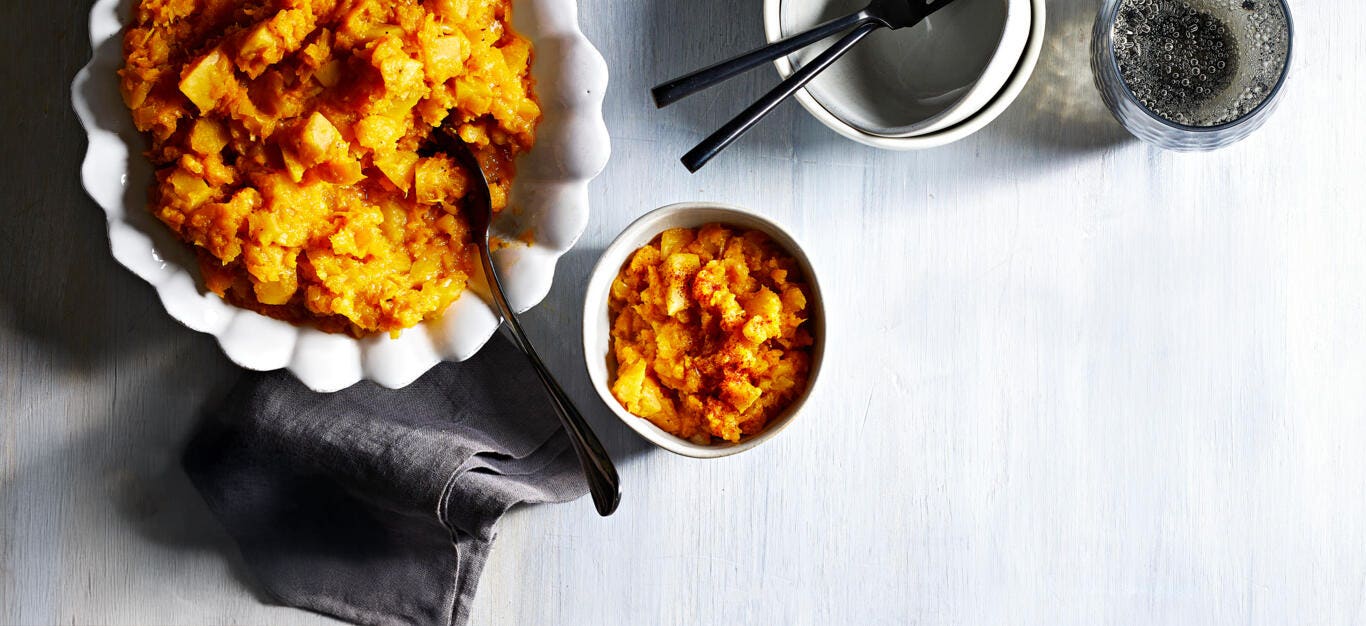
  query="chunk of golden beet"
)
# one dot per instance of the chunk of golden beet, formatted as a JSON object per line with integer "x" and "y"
{"x": 293, "y": 165}
{"x": 221, "y": 223}
{"x": 191, "y": 190}
{"x": 258, "y": 50}
{"x": 712, "y": 291}
{"x": 680, "y": 266}
{"x": 277, "y": 291}
{"x": 395, "y": 219}
{"x": 794, "y": 300}
{"x": 341, "y": 171}
{"x": 645, "y": 257}
{"x": 398, "y": 167}
{"x": 318, "y": 52}
{"x": 206, "y": 81}
{"x": 672, "y": 240}
{"x": 320, "y": 146}
{"x": 438, "y": 181}
{"x": 765, "y": 310}
{"x": 319, "y": 139}
{"x": 451, "y": 10}
{"x": 678, "y": 269}
{"x": 367, "y": 32}
{"x": 365, "y": 22}
{"x": 329, "y": 74}
{"x": 630, "y": 376}
{"x": 722, "y": 420}
{"x": 208, "y": 136}
{"x": 425, "y": 269}
{"x": 517, "y": 53}
{"x": 760, "y": 329}
{"x": 643, "y": 396}
{"x": 446, "y": 57}
{"x": 404, "y": 80}
{"x": 269, "y": 42}
{"x": 378, "y": 132}
{"x": 739, "y": 393}
{"x": 473, "y": 134}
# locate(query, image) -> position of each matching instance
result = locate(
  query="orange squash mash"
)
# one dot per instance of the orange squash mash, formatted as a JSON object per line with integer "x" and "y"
{"x": 708, "y": 333}
{"x": 290, "y": 141}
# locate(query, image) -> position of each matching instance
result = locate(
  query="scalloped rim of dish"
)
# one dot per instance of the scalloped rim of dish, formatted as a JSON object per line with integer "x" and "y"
{"x": 550, "y": 194}
{"x": 597, "y": 327}
{"x": 975, "y": 122}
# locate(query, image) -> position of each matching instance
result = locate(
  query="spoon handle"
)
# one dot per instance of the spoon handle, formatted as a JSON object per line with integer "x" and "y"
{"x": 718, "y": 141}
{"x": 679, "y": 88}
{"x": 603, "y": 482}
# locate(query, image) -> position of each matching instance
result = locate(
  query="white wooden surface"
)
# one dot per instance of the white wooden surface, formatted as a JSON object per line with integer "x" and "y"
{"x": 1073, "y": 379}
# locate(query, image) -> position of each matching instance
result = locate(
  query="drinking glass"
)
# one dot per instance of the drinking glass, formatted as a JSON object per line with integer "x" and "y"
{"x": 1149, "y": 126}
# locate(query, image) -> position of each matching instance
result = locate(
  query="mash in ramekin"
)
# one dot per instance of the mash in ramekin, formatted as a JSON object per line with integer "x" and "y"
{"x": 709, "y": 333}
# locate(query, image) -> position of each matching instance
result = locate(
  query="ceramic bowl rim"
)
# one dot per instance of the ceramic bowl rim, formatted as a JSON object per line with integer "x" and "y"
{"x": 975, "y": 93}
{"x": 640, "y": 232}
{"x": 973, "y": 123}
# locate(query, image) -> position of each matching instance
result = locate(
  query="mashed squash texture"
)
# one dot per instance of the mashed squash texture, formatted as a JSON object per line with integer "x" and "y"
{"x": 708, "y": 333}
{"x": 291, "y": 143}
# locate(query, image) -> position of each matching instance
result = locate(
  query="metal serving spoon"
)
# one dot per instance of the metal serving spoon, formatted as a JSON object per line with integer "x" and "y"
{"x": 597, "y": 465}
{"x": 893, "y": 14}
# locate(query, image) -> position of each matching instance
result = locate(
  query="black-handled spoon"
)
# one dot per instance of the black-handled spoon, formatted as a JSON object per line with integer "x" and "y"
{"x": 689, "y": 84}
{"x": 597, "y": 465}
{"x": 740, "y": 124}
{"x": 891, "y": 14}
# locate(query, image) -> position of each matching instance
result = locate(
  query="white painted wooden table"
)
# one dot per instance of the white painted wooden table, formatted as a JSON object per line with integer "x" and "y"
{"x": 1073, "y": 379}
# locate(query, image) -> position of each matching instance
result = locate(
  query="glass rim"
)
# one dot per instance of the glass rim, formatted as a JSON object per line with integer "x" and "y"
{"x": 1270, "y": 96}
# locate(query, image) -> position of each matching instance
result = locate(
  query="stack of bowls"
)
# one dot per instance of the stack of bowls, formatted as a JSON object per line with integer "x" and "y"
{"x": 920, "y": 87}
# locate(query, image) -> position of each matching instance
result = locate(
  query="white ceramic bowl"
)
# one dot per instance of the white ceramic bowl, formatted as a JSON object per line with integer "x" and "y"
{"x": 597, "y": 325}
{"x": 995, "y": 104}
{"x": 916, "y": 80}
{"x": 550, "y": 195}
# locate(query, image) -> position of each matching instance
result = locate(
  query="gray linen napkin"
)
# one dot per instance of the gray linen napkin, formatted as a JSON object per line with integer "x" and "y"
{"x": 379, "y": 506}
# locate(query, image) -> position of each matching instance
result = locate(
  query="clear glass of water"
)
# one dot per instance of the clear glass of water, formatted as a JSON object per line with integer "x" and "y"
{"x": 1191, "y": 74}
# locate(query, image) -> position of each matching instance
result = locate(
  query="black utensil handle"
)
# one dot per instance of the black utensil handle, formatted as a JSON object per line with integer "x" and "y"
{"x": 719, "y": 140}
{"x": 603, "y": 482}
{"x": 679, "y": 88}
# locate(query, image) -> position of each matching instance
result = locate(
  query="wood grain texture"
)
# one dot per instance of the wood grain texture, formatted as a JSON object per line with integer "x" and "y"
{"x": 1073, "y": 379}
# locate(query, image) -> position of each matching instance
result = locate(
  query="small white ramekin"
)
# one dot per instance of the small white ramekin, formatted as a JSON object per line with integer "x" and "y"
{"x": 597, "y": 325}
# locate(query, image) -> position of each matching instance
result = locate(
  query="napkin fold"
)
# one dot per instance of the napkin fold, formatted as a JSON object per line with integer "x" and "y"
{"x": 379, "y": 506}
